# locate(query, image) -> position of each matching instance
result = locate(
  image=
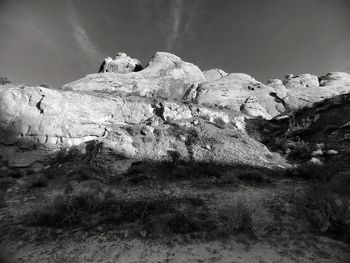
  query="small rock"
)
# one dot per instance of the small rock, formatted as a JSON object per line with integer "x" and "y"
{"x": 318, "y": 152}
{"x": 208, "y": 147}
{"x": 319, "y": 145}
{"x": 195, "y": 122}
{"x": 182, "y": 137}
{"x": 143, "y": 233}
{"x": 332, "y": 152}
{"x": 147, "y": 130}
{"x": 316, "y": 161}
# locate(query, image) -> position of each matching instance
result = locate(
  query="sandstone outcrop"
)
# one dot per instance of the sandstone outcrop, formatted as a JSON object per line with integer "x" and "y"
{"x": 121, "y": 64}
{"x": 166, "y": 76}
{"x": 168, "y": 110}
{"x": 232, "y": 91}
{"x": 252, "y": 107}
{"x": 299, "y": 91}
{"x": 38, "y": 122}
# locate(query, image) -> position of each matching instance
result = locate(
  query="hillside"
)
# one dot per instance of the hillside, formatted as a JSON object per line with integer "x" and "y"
{"x": 168, "y": 163}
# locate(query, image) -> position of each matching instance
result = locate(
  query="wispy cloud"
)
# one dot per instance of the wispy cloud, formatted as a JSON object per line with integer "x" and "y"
{"x": 81, "y": 35}
{"x": 176, "y": 13}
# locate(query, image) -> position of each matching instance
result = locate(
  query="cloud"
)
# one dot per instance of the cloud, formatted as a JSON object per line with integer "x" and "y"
{"x": 176, "y": 13}
{"x": 81, "y": 35}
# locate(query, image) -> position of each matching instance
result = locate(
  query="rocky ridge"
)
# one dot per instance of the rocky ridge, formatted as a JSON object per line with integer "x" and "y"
{"x": 169, "y": 108}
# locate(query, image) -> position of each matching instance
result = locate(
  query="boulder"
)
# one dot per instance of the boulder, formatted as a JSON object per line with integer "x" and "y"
{"x": 252, "y": 107}
{"x": 121, "y": 64}
{"x": 280, "y": 89}
{"x": 166, "y": 76}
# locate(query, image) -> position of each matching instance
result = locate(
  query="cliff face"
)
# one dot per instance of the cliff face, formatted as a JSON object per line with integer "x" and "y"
{"x": 170, "y": 108}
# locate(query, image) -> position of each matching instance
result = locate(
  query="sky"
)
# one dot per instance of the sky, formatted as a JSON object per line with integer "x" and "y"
{"x": 58, "y": 41}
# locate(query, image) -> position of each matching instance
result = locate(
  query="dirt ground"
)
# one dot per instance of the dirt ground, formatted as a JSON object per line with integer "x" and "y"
{"x": 291, "y": 238}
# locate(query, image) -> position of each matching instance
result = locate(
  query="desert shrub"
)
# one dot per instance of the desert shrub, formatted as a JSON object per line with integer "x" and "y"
{"x": 177, "y": 130}
{"x": 133, "y": 130}
{"x": 328, "y": 214}
{"x": 235, "y": 217}
{"x": 228, "y": 177}
{"x": 298, "y": 149}
{"x": 69, "y": 207}
{"x": 310, "y": 171}
{"x": 6, "y": 182}
{"x": 243, "y": 214}
{"x": 64, "y": 258}
{"x": 38, "y": 180}
{"x": 253, "y": 177}
{"x": 220, "y": 123}
{"x": 45, "y": 85}
{"x": 340, "y": 183}
{"x": 88, "y": 207}
{"x": 66, "y": 155}
{"x": 4, "y": 81}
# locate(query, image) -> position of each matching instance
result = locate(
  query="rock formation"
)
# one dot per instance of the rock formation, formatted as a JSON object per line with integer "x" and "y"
{"x": 37, "y": 122}
{"x": 299, "y": 91}
{"x": 214, "y": 74}
{"x": 233, "y": 90}
{"x": 170, "y": 108}
{"x": 166, "y": 76}
{"x": 121, "y": 64}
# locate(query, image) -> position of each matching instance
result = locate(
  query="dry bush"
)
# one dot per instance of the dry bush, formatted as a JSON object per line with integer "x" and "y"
{"x": 45, "y": 85}
{"x": 310, "y": 171}
{"x": 36, "y": 181}
{"x": 220, "y": 123}
{"x": 328, "y": 214}
{"x": 89, "y": 207}
{"x": 253, "y": 177}
{"x": 64, "y": 258}
{"x": 243, "y": 214}
{"x": 4, "y": 81}
{"x": 340, "y": 183}
{"x": 70, "y": 207}
{"x": 6, "y": 182}
{"x": 298, "y": 149}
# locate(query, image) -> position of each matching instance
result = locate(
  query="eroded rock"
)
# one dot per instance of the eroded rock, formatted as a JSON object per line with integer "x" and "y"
{"x": 121, "y": 64}
{"x": 214, "y": 74}
{"x": 36, "y": 123}
{"x": 166, "y": 76}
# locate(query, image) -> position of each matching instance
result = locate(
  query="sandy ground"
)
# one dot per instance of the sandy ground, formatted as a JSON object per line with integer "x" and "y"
{"x": 293, "y": 239}
{"x": 101, "y": 249}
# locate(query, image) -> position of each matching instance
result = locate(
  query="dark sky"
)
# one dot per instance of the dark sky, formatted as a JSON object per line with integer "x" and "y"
{"x": 57, "y": 41}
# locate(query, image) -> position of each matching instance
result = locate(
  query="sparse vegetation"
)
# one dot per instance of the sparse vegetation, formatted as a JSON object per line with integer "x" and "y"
{"x": 244, "y": 215}
{"x": 45, "y": 85}
{"x": 88, "y": 206}
{"x": 310, "y": 171}
{"x": 4, "y": 81}
{"x": 253, "y": 177}
{"x": 36, "y": 180}
{"x": 340, "y": 183}
{"x": 329, "y": 214}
